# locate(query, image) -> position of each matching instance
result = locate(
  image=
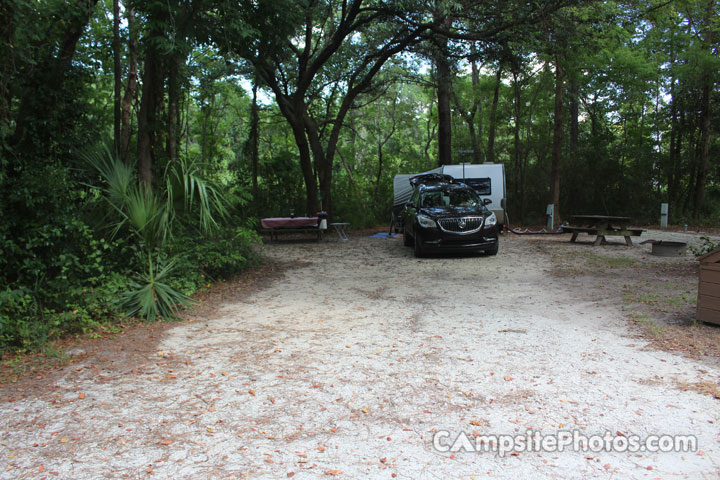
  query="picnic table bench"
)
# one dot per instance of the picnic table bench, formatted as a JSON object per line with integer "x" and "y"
{"x": 277, "y": 225}
{"x": 602, "y": 226}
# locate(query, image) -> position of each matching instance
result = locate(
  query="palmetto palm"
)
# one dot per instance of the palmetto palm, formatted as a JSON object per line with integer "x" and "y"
{"x": 149, "y": 216}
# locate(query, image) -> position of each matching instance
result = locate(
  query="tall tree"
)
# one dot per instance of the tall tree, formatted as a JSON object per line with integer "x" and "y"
{"x": 308, "y": 48}
{"x": 554, "y": 197}
{"x": 472, "y": 116}
{"x": 443, "y": 86}
{"x": 253, "y": 138}
{"x": 117, "y": 74}
{"x": 130, "y": 86}
{"x": 50, "y": 72}
{"x": 493, "y": 116}
{"x": 151, "y": 99}
{"x": 708, "y": 79}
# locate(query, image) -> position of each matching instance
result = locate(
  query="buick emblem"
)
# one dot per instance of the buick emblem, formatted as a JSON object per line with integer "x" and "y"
{"x": 461, "y": 223}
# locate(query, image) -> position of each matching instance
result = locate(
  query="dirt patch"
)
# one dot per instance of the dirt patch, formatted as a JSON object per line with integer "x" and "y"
{"x": 350, "y": 363}
{"x": 132, "y": 341}
{"x": 657, "y": 294}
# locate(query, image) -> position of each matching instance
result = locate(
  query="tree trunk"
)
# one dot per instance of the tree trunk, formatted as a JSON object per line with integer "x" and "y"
{"x": 381, "y": 141}
{"x": 173, "y": 113}
{"x": 704, "y": 158}
{"x": 147, "y": 116}
{"x": 474, "y": 143}
{"x": 254, "y": 123}
{"x": 557, "y": 144}
{"x": 574, "y": 114}
{"x": 705, "y": 119}
{"x": 523, "y": 167}
{"x": 379, "y": 171}
{"x": 517, "y": 154}
{"x": 672, "y": 159}
{"x": 350, "y": 175}
{"x": 677, "y": 163}
{"x": 430, "y": 129}
{"x": 322, "y": 163}
{"x": 692, "y": 148}
{"x": 444, "y": 117}
{"x": 493, "y": 118}
{"x": 7, "y": 61}
{"x": 311, "y": 187}
{"x": 130, "y": 88}
{"x": 476, "y": 110}
{"x": 444, "y": 85}
{"x": 117, "y": 112}
{"x": 469, "y": 116}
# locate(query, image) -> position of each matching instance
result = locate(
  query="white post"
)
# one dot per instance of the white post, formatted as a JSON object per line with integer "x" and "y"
{"x": 550, "y": 212}
{"x": 663, "y": 215}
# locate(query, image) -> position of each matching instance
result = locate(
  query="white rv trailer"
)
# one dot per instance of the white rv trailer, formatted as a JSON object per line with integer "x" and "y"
{"x": 487, "y": 179}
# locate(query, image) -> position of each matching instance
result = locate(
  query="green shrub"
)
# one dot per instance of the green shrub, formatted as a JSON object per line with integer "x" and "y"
{"x": 707, "y": 246}
{"x": 204, "y": 258}
{"x": 21, "y": 328}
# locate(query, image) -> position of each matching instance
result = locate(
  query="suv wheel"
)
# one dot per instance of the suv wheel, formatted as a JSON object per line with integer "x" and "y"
{"x": 419, "y": 251}
{"x": 407, "y": 239}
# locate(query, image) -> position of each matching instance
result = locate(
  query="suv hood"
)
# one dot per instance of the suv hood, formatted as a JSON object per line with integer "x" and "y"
{"x": 449, "y": 212}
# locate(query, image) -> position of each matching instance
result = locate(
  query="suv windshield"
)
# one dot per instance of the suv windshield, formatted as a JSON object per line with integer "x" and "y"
{"x": 449, "y": 198}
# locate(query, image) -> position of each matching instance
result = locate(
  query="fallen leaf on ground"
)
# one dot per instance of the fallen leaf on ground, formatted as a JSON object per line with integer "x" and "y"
{"x": 333, "y": 472}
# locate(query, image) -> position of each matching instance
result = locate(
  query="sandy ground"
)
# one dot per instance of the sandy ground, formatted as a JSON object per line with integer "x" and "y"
{"x": 348, "y": 364}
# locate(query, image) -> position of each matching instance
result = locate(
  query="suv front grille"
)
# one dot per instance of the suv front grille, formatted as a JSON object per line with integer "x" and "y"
{"x": 462, "y": 225}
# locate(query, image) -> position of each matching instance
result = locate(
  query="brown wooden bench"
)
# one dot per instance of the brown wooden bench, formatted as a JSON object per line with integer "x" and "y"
{"x": 274, "y": 232}
{"x": 276, "y": 226}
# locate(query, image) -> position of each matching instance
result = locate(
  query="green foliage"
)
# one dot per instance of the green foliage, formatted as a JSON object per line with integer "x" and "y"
{"x": 151, "y": 220}
{"x": 708, "y": 245}
{"x": 201, "y": 260}
{"x": 638, "y": 77}
{"x": 150, "y": 296}
{"x": 19, "y": 325}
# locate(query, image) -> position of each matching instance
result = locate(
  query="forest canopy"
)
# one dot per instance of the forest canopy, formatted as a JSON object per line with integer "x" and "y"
{"x": 140, "y": 141}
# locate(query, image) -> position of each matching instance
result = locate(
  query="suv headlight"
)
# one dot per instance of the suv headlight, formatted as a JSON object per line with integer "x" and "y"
{"x": 491, "y": 220}
{"x": 426, "y": 222}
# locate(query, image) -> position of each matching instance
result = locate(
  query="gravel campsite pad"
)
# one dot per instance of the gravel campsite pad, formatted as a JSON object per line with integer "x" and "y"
{"x": 346, "y": 364}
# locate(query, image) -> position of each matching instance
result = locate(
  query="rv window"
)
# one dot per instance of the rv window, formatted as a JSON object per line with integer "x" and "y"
{"x": 481, "y": 185}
